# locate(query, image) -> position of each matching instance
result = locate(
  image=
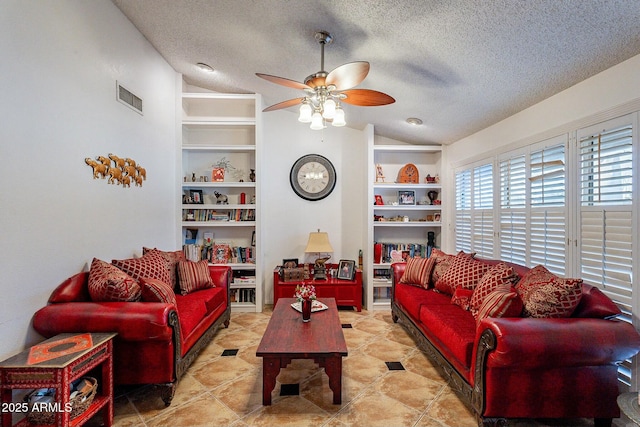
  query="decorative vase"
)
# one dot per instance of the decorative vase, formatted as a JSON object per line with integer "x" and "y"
{"x": 306, "y": 310}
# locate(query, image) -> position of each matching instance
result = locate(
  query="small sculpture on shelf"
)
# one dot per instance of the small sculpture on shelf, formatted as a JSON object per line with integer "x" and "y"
{"x": 252, "y": 175}
{"x": 221, "y": 199}
{"x": 433, "y": 195}
{"x": 379, "y": 173}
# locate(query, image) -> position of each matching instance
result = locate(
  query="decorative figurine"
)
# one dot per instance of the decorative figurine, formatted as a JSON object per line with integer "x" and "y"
{"x": 222, "y": 199}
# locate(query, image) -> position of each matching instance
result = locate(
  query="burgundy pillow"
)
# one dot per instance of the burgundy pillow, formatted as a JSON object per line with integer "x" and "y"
{"x": 594, "y": 303}
{"x": 500, "y": 303}
{"x": 547, "y": 295}
{"x": 500, "y": 277}
{"x": 464, "y": 272}
{"x": 462, "y": 298}
{"x": 172, "y": 259}
{"x": 418, "y": 271}
{"x": 154, "y": 290}
{"x": 108, "y": 283}
{"x": 193, "y": 276}
{"x": 152, "y": 264}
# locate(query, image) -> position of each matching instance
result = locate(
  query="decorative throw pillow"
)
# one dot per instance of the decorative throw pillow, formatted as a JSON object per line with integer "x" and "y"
{"x": 172, "y": 259}
{"x": 154, "y": 290}
{"x": 464, "y": 272}
{"x": 500, "y": 277}
{"x": 500, "y": 303}
{"x": 108, "y": 283}
{"x": 546, "y": 295}
{"x": 193, "y": 276}
{"x": 443, "y": 261}
{"x": 418, "y": 271}
{"x": 152, "y": 264}
{"x": 462, "y": 298}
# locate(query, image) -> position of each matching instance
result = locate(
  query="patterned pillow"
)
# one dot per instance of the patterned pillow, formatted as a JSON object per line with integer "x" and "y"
{"x": 462, "y": 298}
{"x": 152, "y": 264}
{"x": 443, "y": 261}
{"x": 547, "y": 295}
{"x": 418, "y": 271}
{"x": 500, "y": 277}
{"x": 172, "y": 259}
{"x": 500, "y": 303}
{"x": 108, "y": 283}
{"x": 154, "y": 290}
{"x": 464, "y": 272}
{"x": 193, "y": 276}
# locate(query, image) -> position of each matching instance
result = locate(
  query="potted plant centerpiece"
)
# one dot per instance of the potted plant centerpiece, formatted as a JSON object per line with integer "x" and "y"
{"x": 305, "y": 293}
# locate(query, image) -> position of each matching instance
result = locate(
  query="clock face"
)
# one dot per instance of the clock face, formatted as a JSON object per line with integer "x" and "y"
{"x": 313, "y": 177}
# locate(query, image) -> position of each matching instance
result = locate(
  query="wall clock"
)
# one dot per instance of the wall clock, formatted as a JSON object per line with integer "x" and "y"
{"x": 313, "y": 177}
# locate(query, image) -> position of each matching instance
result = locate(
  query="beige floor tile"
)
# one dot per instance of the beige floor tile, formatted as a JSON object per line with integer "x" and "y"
{"x": 204, "y": 410}
{"x": 221, "y": 371}
{"x": 375, "y": 409}
{"x": 288, "y": 411}
{"x": 410, "y": 389}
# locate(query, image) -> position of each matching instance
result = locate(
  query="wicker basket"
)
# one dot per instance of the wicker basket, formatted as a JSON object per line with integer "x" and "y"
{"x": 79, "y": 403}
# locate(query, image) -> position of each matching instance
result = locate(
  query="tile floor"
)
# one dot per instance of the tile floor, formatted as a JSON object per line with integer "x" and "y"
{"x": 227, "y": 390}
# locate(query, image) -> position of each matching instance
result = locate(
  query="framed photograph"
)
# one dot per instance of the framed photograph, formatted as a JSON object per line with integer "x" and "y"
{"x": 379, "y": 200}
{"x": 290, "y": 263}
{"x": 346, "y": 269}
{"x": 196, "y": 196}
{"x": 406, "y": 197}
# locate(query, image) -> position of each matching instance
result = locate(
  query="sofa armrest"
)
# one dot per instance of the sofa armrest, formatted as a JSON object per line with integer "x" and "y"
{"x": 533, "y": 342}
{"x": 397, "y": 270}
{"x": 133, "y": 321}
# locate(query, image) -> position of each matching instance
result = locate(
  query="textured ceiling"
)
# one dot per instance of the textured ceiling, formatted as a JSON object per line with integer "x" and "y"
{"x": 459, "y": 65}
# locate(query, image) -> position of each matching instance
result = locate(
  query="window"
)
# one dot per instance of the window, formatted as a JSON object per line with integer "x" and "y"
{"x": 474, "y": 210}
{"x": 463, "y": 211}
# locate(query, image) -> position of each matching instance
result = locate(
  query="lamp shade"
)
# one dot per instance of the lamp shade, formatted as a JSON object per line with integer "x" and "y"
{"x": 318, "y": 242}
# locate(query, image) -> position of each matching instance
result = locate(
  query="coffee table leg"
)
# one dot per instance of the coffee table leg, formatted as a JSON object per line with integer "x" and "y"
{"x": 333, "y": 368}
{"x": 270, "y": 370}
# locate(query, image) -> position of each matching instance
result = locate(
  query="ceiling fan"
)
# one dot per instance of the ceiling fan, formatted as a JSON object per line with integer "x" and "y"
{"x": 325, "y": 91}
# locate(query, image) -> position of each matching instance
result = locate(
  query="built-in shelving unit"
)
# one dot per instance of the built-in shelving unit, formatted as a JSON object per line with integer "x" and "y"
{"x": 401, "y": 223}
{"x": 220, "y": 129}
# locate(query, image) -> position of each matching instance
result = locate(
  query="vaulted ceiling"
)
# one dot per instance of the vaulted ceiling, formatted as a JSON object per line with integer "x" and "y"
{"x": 458, "y": 65}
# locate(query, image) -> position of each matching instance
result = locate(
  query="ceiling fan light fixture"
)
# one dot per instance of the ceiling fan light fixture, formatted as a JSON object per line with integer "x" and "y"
{"x": 414, "y": 121}
{"x": 338, "y": 119}
{"x": 305, "y": 113}
{"x": 316, "y": 121}
{"x": 329, "y": 109}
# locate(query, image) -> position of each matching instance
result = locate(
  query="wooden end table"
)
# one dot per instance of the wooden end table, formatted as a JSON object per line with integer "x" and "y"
{"x": 56, "y": 363}
{"x": 287, "y": 337}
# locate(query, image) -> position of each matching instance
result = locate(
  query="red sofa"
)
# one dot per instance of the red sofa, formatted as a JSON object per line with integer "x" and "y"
{"x": 520, "y": 367}
{"x": 156, "y": 341}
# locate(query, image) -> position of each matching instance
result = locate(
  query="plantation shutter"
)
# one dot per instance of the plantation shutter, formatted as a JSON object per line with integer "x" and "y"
{"x": 482, "y": 212}
{"x": 513, "y": 219}
{"x": 463, "y": 211}
{"x": 606, "y": 216}
{"x": 547, "y": 237}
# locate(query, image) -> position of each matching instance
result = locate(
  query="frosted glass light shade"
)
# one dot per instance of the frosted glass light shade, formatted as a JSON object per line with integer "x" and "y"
{"x": 316, "y": 121}
{"x": 329, "y": 109}
{"x": 338, "y": 119}
{"x": 305, "y": 113}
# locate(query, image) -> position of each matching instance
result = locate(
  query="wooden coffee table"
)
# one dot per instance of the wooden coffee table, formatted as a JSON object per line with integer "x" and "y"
{"x": 287, "y": 337}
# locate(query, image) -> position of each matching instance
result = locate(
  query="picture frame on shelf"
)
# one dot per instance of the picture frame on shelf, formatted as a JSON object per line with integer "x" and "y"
{"x": 217, "y": 175}
{"x": 379, "y": 201}
{"x": 346, "y": 269}
{"x": 406, "y": 197}
{"x": 290, "y": 263}
{"x": 196, "y": 197}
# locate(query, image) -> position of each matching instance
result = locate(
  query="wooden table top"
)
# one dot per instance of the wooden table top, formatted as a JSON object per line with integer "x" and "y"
{"x": 287, "y": 334}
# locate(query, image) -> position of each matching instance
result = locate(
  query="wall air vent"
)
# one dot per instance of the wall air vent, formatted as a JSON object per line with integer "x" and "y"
{"x": 127, "y": 98}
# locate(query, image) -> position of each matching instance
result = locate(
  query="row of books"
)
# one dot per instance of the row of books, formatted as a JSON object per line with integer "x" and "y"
{"x": 392, "y": 252}
{"x": 381, "y": 293}
{"x": 214, "y": 215}
{"x": 220, "y": 253}
{"x": 382, "y": 274}
{"x": 243, "y": 295}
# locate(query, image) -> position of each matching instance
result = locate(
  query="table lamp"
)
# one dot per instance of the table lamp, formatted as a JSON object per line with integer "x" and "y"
{"x": 319, "y": 243}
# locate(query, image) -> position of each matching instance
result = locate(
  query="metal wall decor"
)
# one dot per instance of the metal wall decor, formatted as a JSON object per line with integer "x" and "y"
{"x": 120, "y": 171}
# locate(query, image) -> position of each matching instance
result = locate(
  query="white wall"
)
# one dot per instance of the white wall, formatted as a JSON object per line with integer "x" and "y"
{"x": 61, "y": 60}
{"x": 595, "y": 97}
{"x": 288, "y": 219}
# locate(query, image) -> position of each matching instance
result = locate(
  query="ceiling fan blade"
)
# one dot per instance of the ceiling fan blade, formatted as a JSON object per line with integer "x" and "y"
{"x": 284, "y": 104}
{"x": 366, "y": 97}
{"x": 348, "y": 75}
{"x": 283, "y": 82}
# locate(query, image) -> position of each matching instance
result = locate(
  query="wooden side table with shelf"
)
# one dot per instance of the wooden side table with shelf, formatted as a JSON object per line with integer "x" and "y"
{"x": 56, "y": 363}
{"x": 347, "y": 293}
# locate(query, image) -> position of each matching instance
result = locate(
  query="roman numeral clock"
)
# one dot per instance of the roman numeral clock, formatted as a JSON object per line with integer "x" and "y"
{"x": 313, "y": 177}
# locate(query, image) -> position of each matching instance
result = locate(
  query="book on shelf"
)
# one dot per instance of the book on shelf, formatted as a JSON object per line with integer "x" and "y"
{"x": 383, "y": 293}
{"x": 207, "y": 215}
{"x": 408, "y": 250}
{"x": 243, "y": 295}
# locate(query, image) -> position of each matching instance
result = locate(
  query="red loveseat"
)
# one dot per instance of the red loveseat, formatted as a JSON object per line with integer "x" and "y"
{"x": 517, "y": 367}
{"x": 156, "y": 341}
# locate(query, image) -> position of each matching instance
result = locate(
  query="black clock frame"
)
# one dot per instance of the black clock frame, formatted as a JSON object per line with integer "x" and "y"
{"x": 297, "y": 165}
